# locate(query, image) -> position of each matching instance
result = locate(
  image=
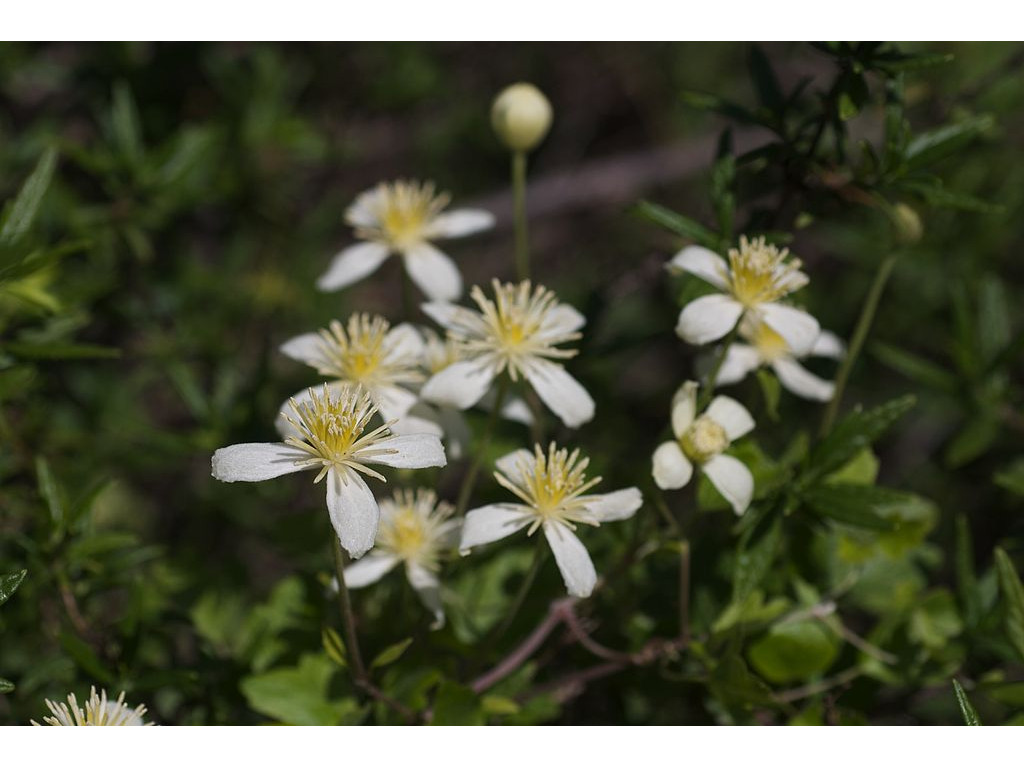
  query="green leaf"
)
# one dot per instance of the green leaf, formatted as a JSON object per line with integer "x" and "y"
{"x": 770, "y": 390}
{"x": 927, "y": 147}
{"x": 124, "y": 123}
{"x": 334, "y": 647}
{"x": 9, "y": 583}
{"x": 60, "y": 351}
{"x": 968, "y": 711}
{"x": 765, "y": 83}
{"x": 299, "y": 695}
{"x": 935, "y": 621}
{"x": 51, "y": 492}
{"x": 1012, "y": 477}
{"x": 915, "y": 367}
{"x": 853, "y": 504}
{"x": 972, "y": 441}
{"x": 391, "y": 654}
{"x": 6, "y": 686}
{"x": 966, "y": 580}
{"x": 1013, "y": 600}
{"x": 457, "y": 705}
{"x": 85, "y": 657}
{"x": 676, "y": 222}
{"x": 862, "y": 469}
{"x": 792, "y": 651}
{"x": 21, "y": 213}
{"x": 757, "y": 550}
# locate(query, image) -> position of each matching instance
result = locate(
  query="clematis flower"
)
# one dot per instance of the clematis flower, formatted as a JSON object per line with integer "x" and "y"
{"x": 415, "y": 529}
{"x": 331, "y": 436}
{"x": 767, "y": 347}
{"x": 403, "y": 217}
{"x": 552, "y": 488}
{"x": 517, "y": 332}
{"x": 701, "y": 440}
{"x": 98, "y": 711}
{"x": 366, "y": 351}
{"x": 756, "y": 276}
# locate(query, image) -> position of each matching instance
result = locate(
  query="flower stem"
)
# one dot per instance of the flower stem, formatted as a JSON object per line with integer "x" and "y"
{"x": 524, "y": 590}
{"x": 469, "y": 481}
{"x": 355, "y": 658}
{"x": 860, "y": 334}
{"x": 684, "y": 591}
{"x": 519, "y": 214}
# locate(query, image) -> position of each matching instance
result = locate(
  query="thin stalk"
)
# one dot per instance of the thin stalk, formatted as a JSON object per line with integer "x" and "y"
{"x": 709, "y": 386}
{"x": 355, "y": 658}
{"x": 860, "y": 334}
{"x": 469, "y": 481}
{"x": 684, "y": 591}
{"x": 524, "y": 590}
{"x": 522, "y": 243}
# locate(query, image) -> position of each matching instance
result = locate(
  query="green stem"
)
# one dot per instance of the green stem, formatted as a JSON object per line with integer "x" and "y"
{"x": 709, "y": 387}
{"x": 860, "y": 334}
{"x": 469, "y": 481}
{"x": 684, "y": 591}
{"x": 524, "y": 590}
{"x": 355, "y": 658}
{"x": 519, "y": 214}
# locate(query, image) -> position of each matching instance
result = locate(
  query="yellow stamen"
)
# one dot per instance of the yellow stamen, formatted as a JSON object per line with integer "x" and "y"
{"x": 402, "y": 210}
{"x": 552, "y": 485}
{"x": 704, "y": 439}
{"x": 759, "y": 272}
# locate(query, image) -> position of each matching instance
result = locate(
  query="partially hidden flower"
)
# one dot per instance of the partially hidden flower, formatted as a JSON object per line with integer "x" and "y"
{"x": 331, "y": 434}
{"x": 766, "y": 347}
{"x": 99, "y": 710}
{"x": 415, "y": 530}
{"x": 404, "y": 217}
{"x": 751, "y": 282}
{"x": 517, "y": 332}
{"x": 366, "y": 351}
{"x": 701, "y": 440}
{"x": 552, "y": 489}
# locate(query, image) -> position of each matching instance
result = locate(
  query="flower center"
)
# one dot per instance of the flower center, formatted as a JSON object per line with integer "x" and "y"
{"x": 759, "y": 272}
{"x": 552, "y": 484}
{"x": 411, "y": 526}
{"x": 359, "y": 353}
{"x": 403, "y": 211}
{"x": 704, "y": 439}
{"x": 769, "y": 344}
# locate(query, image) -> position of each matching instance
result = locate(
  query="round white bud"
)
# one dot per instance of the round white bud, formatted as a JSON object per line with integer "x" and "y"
{"x": 521, "y": 116}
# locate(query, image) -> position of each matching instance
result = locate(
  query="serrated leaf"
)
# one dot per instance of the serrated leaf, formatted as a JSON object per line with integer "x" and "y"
{"x": 854, "y": 504}
{"x": 9, "y": 583}
{"x": 1013, "y": 600}
{"x": 391, "y": 654}
{"x": 22, "y": 212}
{"x": 676, "y": 222}
{"x": 966, "y": 709}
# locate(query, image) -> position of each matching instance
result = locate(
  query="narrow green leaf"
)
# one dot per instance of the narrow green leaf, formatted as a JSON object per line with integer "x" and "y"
{"x": 334, "y": 646}
{"x": 973, "y": 440}
{"x": 85, "y": 657}
{"x": 676, "y": 222}
{"x": 391, "y": 654}
{"x": 1013, "y": 600}
{"x": 966, "y": 709}
{"x": 769, "y": 93}
{"x": 861, "y": 506}
{"x": 22, "y": 212}
{"x": 9, "y": 583}
{"x": 926, "y": 148}
{"x": 757, "y": 550}
{"x": 50, "y": 490}
{"x": 60, "y": 351}
{"x": 124, "y": 122}
{"x": 915, "y": 367}
{"x": 966, "y": 580}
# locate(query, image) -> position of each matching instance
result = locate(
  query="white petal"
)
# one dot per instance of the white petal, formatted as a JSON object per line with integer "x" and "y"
{"x": 829, "y": 345}
{"x": 670, "y": 468}
{"x": 495, "y": 521}
{"x": 252, "y": 462}
{"x": 307, "y": 348}
{"x": 393, "y": 402}
{"x": 369, "y": 569}
{"x": 560, "y": 392}
{"x": 363, "y": 211}
{"x": 516, "y": 409}
{"x": 461, "y": 384}
{"x": 802, "y": 382}
{"x": 352, "y": 265}
{"x": 573, "y": 560}
{"x": 457, "y": 435}
{"x": 740, "y": 359}
{"x": 409, "y": 452}
{"x": 428, "y": 588}
{"x": 790, "y": 280}
{"x": 460, "y": 222}
{"x": 442, "y": 312}
{"x": 435, "y": 273}
{"x": 732, "y": 479}
{"x": 733, "y": 417}
{"x": 510, "y": 463}
{"x": 617, "y": 505}
{"x": 705, "y": 264}
{"x": 561, "y": 320}
{"x": 708, "y": 318}
{"x": 403, "y": 342}
{"x": 419, "y": 423}
{"x": 353, "y": 509}
{"x": 798, "y": 328}
{"x": 684, "y": 407}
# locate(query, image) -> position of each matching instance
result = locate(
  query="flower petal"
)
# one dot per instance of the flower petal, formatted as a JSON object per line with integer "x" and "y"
{"x": 802, "y": 382}
{"x": 369, "y": 569}
{"x": 405, "y": 452}
{"x": 560, "y": 392}
{"x": 491, "y": 523}
{"x": 460, "y": 222}
{"x": 561, "y": 320}
{"x": 510, "y": 463}
{"x": 352, "y": 265}
{"x": 403, "y": 341}
{"x": 573, "y": 560}
{"x": 434, "y": 273}
{"x": 708, "y": 318}
{"x": 617, "y": 505}
{"x": 684, "y": 407}
{"x": 442, "y": 312}
{"x": 704, "y": 263}
{"x": 353, "y": 509}
{"x": 418, "y": 422}
{"x": 829, "y": 345}
{"x": 461, "y": 384}
{"x": 307, "y": 348}
{"x": 253, "y": 462}
{"x": 797, "y": 327}
{"x": 393, "y": 402}
{"x": 428, "y": 588}
{"x": 670, "y": 468}
{"x": 733, "y": 417}
{"x": 740, "y": 359}
{"x": 732, "y": 479}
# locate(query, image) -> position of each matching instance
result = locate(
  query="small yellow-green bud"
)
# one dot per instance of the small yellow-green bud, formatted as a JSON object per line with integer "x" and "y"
{"x": 908, "y": 224}
{"x": 521, "y": 116}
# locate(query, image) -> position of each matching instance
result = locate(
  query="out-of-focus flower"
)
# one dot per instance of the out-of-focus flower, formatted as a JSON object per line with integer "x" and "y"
{"x": 701, "y": 440}
{"x": 756, "y": 276}
{"x": 767, "y": 347}
{"x": 99, "y": 710}
{"x": 404, "y": 217}
{"x": 517, "y": 332}
{"x": 330, "y": 434}
{"x": 521, "y": 116}
{"x": 415, "y": 529}
{"x": 552, "y": 488}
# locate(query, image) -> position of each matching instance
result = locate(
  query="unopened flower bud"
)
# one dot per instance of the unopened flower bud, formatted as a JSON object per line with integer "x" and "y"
{"x": 521, "y": 116}
{"x": 908, "y": 224}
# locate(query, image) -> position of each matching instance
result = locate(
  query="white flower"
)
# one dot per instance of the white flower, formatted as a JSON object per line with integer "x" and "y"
{"x": 552, "y": 488}
{"x": 330, "y": 436}
{"x": 701, "y": 440}
{"x": 367, "y": 352}
{"x": 767, "y": 347}
{"x": 403, "y": 217}
{"x": 415, "y": 529}
{"x": 755, "y": 277}
{"x": 98, "y": 711}
{"x": 517, "y": 332}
